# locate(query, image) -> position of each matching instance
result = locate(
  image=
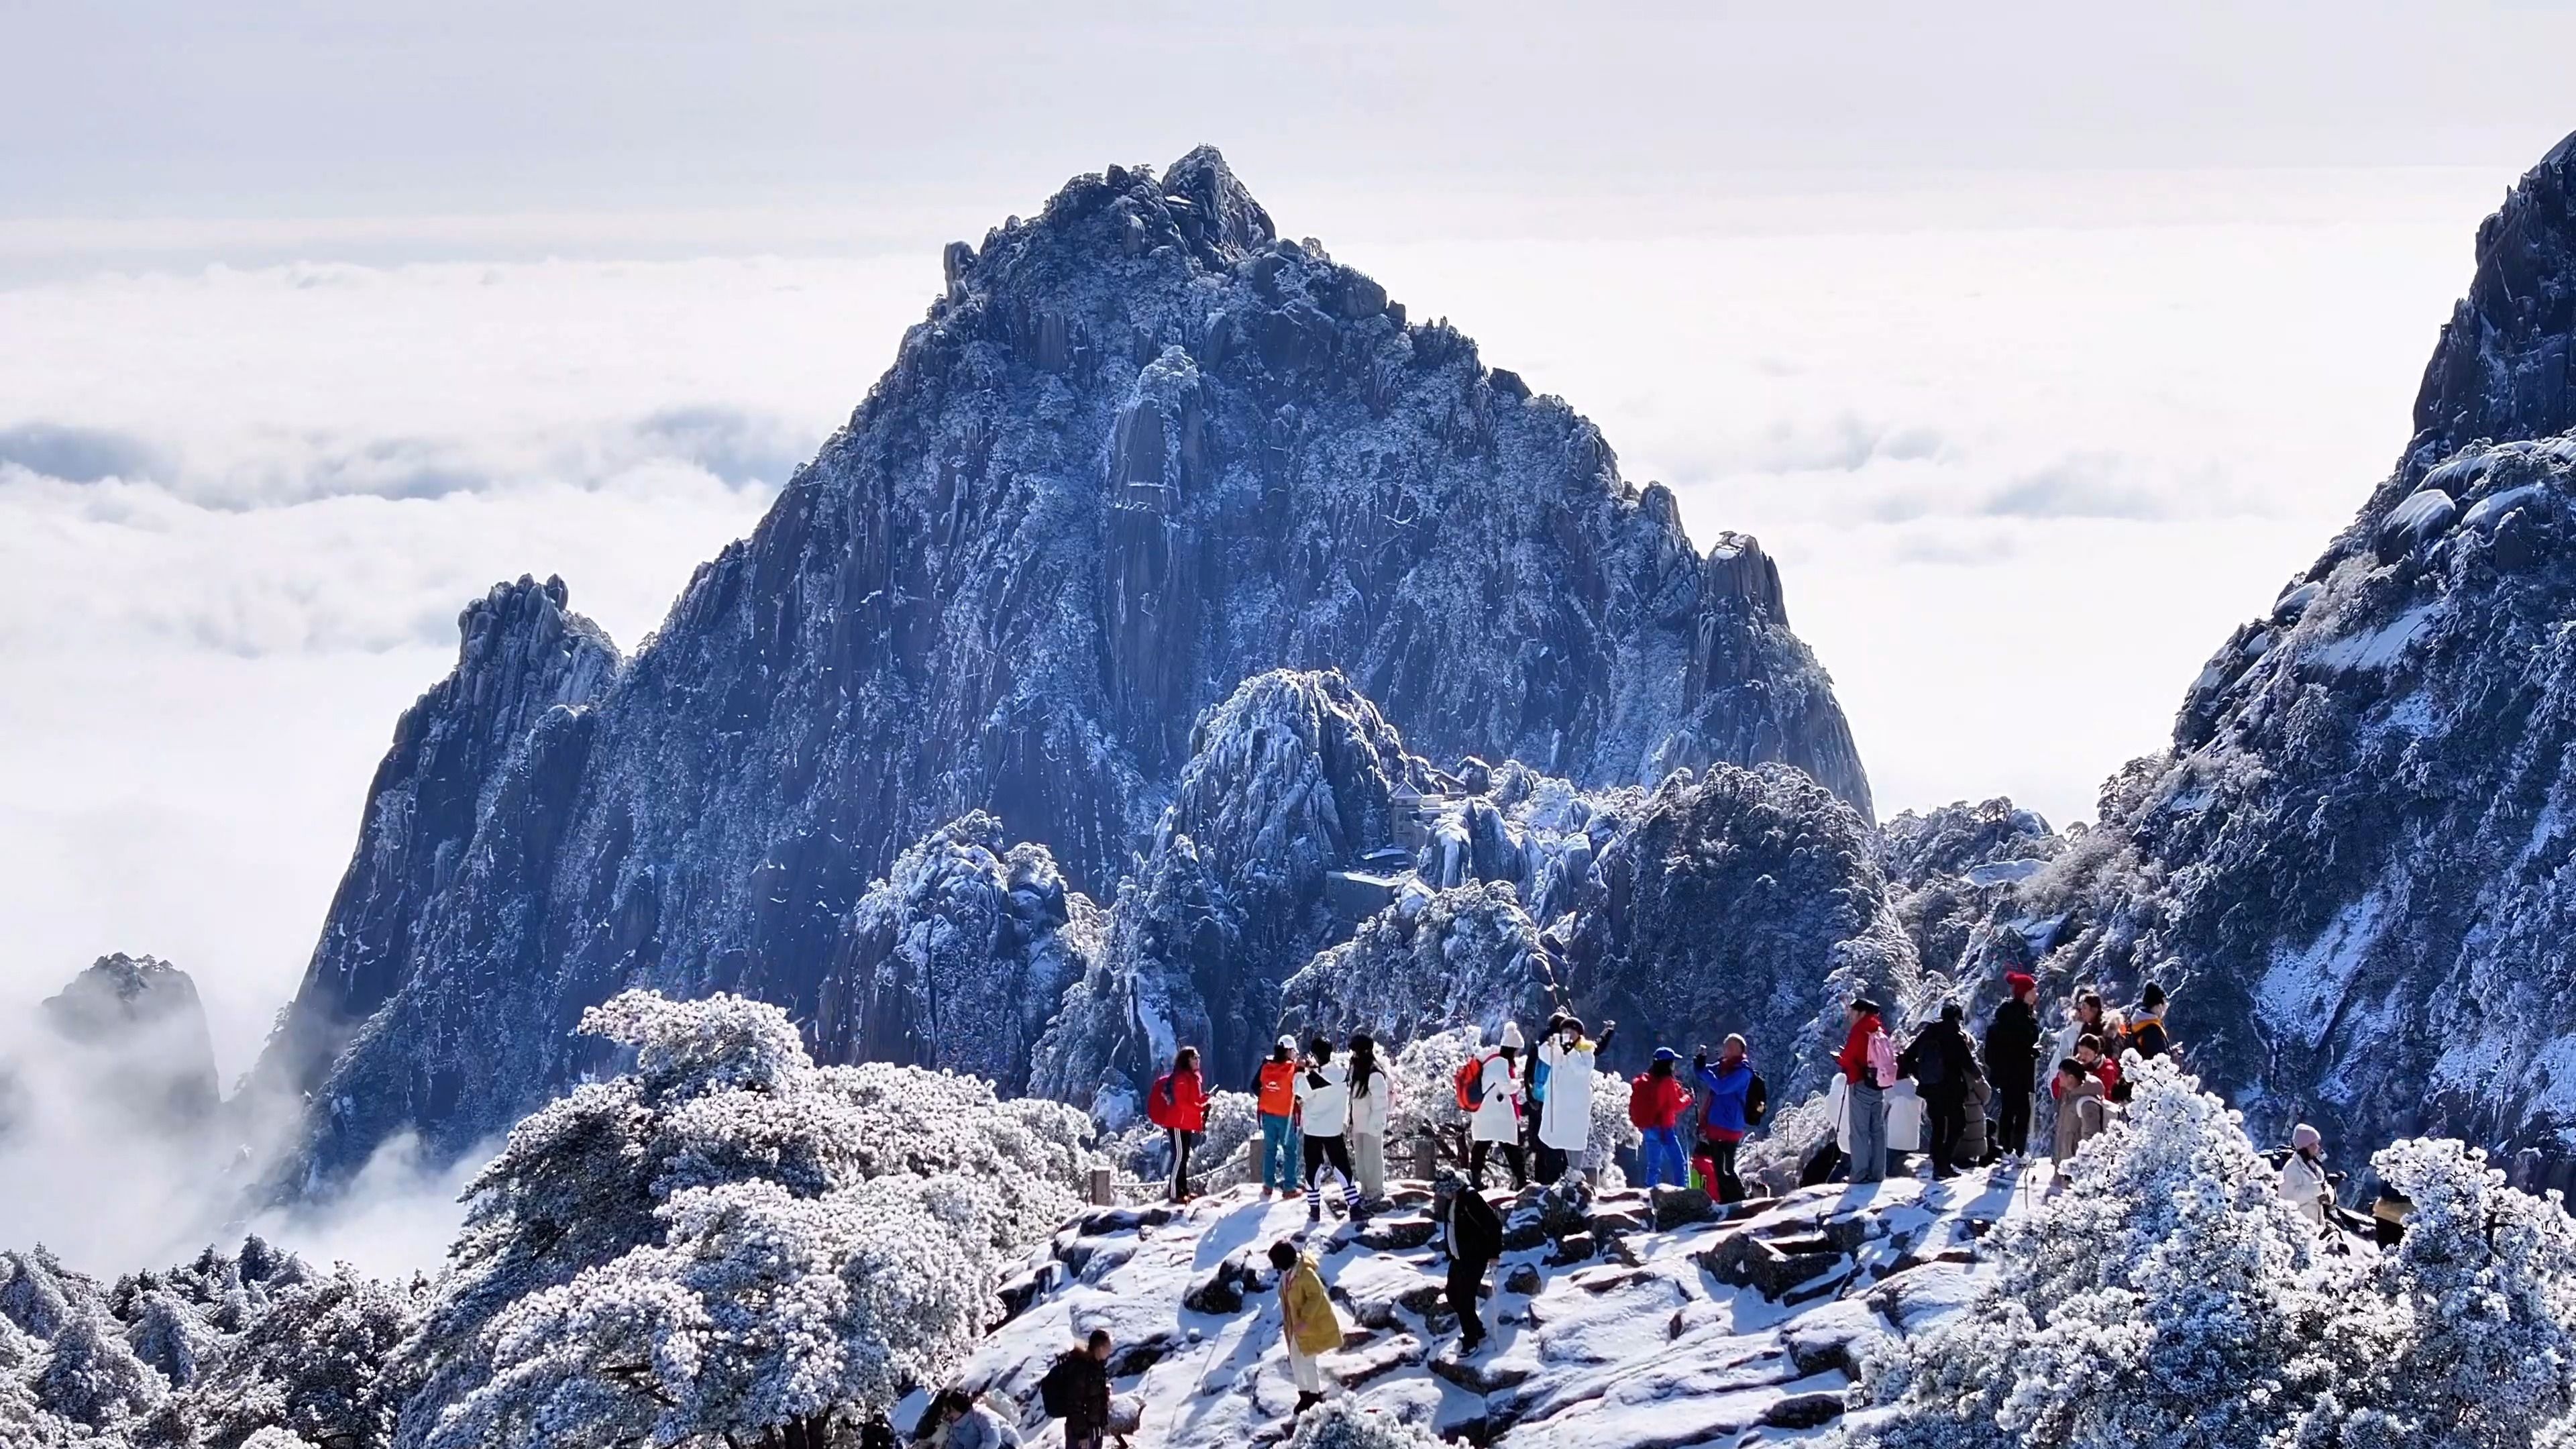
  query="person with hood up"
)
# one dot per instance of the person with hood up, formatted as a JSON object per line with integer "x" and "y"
{"x": 1496, "y": 1121}
{"x": 1657, "y": 1101}
{"x": 1307, "y": 1322}
{"x": 2304, "y": 1183}
{"x": 1324, "y": 1110}
{"x": 2079, "y": 1094}
{"x": 1177, "y": 1103}
{"x": 1372, "y": 1102}
{"x": 1942, "y": 1064}
{"x": 1868, "y": 1063}
{"x": 1565, "y": 1118}
{"x": 2012, "y": 1061}
{"x": 1471, "y": 1232}
{"x": 1724, "y": 1121}
{"x": 1280, "y": 1149}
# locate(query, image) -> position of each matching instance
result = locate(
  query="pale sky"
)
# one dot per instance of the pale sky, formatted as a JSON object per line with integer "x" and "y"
{"x": 2041, "y": 350}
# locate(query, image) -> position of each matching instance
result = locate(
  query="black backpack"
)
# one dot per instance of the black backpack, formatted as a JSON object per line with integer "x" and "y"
{"x": 1757, "y": 1100}
{"x": 1055, "y": 1391}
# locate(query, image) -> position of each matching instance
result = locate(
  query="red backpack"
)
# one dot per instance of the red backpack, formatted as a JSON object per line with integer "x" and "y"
{"x": 1471, "y": 1084}
{"x": 1159, "y": 1106}
{"x": 1640, "y": 1113}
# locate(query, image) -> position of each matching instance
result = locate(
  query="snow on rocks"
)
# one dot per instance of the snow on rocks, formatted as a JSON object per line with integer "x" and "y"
{"x": 1640, "y": 1340}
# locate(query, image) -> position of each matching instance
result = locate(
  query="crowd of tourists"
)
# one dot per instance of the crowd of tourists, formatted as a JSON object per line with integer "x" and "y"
{"x": 1324, "y": 1111}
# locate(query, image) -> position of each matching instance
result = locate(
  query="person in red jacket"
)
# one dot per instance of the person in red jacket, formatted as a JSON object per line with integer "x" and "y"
{"x": 2088, "y": 1050}
{"x": 1656, "y": 1101}
{"x": 1177, "y": 1103}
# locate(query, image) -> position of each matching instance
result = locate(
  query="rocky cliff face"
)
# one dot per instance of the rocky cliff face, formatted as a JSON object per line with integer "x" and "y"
{"x": 959, "y": 957}
{"x": 1742, "y": 901}
{"x": 2358, "y": 856}
{"x": 1140, "y": 449}
{"x": 140, "y": 1044}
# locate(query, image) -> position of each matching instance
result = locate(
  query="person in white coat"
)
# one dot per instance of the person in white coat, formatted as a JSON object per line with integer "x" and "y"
{"x": 1496, "y": 1122}
{"x": 1565, "y": 1116}
{"x": 2304, "y": 1184}
{"x": 1372, "y": 1101}
{"x": 1324, "y": 1109}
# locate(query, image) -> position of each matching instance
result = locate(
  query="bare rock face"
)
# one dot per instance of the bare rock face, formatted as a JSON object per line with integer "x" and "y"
{"x": 957, "y": 959}
{"x": 140, "y": 1034}
{"x": 1742, "y": 901}
{"x": 2353, "y": 869}
{"x": 1141, "y": 449}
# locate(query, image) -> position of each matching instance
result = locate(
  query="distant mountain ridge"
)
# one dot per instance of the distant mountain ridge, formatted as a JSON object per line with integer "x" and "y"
{"x": 1141, "y": 449}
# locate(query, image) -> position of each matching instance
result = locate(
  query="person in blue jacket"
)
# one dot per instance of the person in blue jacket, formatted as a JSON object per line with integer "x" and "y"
{"x": 1722, "y": 1123}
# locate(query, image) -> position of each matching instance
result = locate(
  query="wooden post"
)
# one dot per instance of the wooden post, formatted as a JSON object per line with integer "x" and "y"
{"x": 1426, "y": 1157}
{"x": 1104, "y": 1190}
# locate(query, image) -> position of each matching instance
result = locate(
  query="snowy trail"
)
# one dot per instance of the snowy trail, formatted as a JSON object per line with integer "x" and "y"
{"x": 1607, "y": 1333}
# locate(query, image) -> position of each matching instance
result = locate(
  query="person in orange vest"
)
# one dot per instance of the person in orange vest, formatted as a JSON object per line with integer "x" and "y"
{"x": 1278, "y": 1101}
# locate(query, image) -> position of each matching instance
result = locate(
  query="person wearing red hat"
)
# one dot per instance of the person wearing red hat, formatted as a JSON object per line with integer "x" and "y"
{"x": 2012, "y": 1061}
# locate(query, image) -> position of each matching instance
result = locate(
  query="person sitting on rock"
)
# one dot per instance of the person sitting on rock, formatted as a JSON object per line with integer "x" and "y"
{"x": 1307, "y": 1323}
{"x": 1656, "y": 1101}
{"x": 1471, "y": 1232}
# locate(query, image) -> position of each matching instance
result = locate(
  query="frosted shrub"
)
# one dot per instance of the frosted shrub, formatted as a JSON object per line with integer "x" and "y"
{"x": 1426, "y": 1091}
{"x": 2167, "y": 1296}
{"x": 2468, "y": 1331}
{"x": 729, "y": 1241}
{"x": 1342, "y": 1424}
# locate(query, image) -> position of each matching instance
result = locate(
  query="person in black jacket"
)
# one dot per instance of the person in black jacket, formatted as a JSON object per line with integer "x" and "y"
{"x": 1079, "y": 1383}
{"x": 1472, "y": 1233}
{"x": 1942, "y": 1063}
{"x": 2012, "y": 1061}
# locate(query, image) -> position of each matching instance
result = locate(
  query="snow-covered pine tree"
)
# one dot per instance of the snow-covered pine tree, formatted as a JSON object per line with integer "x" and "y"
{"x": 2166, "y": 1296}
{"x": 728, "y": 1242}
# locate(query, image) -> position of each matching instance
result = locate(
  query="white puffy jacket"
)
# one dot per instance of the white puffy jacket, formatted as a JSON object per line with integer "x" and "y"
{"x": 1565, "y": 1116}
{"x": 1326, "y": 1110}
{"x": 1498, "y": 1110}
{"x": 1369, "y": 1108}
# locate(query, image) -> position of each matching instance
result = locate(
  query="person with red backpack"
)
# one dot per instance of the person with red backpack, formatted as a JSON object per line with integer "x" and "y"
{"x": 1489, "y": 1089}
{"x": 1177, "y": 1103}
{"x": 1656, "y": 1101}
{"x": 1868, "y": 1062}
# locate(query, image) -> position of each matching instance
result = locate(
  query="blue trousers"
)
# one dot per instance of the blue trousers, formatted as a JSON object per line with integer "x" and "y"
{"x": 1279, "y": 1164}
{"x": 1660, "y": 1158}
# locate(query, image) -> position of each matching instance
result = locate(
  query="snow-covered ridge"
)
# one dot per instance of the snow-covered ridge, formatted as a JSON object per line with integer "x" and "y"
{"x": 1608, "y": 1333}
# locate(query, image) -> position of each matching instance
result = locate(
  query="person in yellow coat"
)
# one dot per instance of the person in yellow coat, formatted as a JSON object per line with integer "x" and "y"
{"x": 1307, "y": 1322}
